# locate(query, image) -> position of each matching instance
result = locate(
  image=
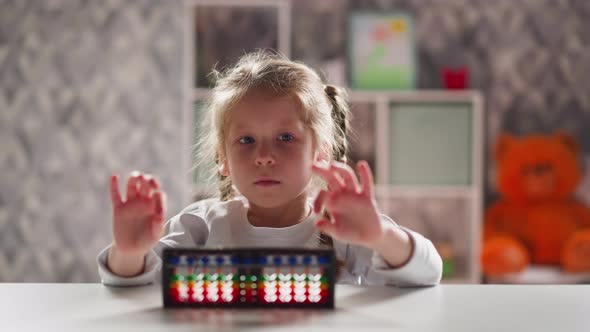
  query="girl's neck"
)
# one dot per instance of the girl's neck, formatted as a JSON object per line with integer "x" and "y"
{"x": 289, "y": 214}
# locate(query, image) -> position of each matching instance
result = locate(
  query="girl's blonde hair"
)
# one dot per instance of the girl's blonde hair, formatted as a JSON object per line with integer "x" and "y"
{"x": 324, "y": 108}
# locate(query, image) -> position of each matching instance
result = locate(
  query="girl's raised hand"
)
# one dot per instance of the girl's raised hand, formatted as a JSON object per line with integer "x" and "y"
{"x": 139, "y": 218}
{"x": 350, "y": 203}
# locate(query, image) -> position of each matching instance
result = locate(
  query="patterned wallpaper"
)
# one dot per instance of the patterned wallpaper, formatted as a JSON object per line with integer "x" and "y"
{"x": 92, "y": 87}
{"x": 87, "y": 88}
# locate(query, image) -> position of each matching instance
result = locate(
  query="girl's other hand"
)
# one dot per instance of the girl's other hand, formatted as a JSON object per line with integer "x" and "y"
{"x": 350, "y": 203}
{"x": 139, "y": 218}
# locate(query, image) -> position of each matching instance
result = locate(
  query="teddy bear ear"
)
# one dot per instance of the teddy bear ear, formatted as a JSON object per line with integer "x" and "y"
{"x": 568, "y": 140}
{"x": 502, "y": 144}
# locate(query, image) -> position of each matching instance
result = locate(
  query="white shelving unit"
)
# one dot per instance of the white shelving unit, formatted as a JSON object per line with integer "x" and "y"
{"x": 470, "y": 192}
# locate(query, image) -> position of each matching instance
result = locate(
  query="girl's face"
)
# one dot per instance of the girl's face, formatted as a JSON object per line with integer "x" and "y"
{"x": 268, "y": 150}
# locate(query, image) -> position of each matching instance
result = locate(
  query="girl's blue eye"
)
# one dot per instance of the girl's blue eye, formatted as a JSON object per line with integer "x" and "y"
{"x": 286, "y": 137}
{"x": 246, "y": 140}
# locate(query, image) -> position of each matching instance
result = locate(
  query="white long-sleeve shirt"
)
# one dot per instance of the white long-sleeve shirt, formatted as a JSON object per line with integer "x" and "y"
{"x": 213, "y": 223}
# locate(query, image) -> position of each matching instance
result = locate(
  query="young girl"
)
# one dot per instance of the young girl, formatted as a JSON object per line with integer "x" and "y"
{"x": 275, "y": 130}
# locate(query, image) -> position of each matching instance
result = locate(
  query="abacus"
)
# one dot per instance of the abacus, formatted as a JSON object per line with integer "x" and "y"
{"x": 248, "y": 278}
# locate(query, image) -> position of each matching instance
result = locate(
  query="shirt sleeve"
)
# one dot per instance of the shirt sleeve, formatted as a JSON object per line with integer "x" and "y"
{"x": 152, "y": 265}
{"x": 183, "y": 230}
{"x": 424, "y": 268}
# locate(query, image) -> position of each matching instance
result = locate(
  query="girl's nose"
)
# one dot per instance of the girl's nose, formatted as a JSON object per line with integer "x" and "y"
{"x": 264, "y": 158}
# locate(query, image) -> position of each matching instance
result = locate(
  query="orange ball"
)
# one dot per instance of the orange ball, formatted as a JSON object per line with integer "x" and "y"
{"x": 503, "y": 254}
{"x": 576, "y": 253}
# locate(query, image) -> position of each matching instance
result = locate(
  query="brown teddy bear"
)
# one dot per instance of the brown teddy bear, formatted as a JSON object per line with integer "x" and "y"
{"x": 537, "y": 220}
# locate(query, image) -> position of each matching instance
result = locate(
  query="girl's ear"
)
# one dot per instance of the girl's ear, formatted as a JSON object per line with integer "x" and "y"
{"x": 223, "y": 169}
{"x": 320, "y": 157}
{"x": 222, "y": 165}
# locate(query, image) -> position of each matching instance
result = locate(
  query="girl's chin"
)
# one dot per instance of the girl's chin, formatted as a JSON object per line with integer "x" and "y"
{"x": 268, "y": 202}
{"x": 271, "y": 200}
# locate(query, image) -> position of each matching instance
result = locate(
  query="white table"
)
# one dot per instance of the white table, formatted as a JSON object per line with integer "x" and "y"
{"x": 94, "y": 307}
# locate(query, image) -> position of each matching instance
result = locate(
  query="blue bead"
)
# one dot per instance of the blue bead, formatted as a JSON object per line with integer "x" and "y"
{"x": 190, "y": 260}
{"x": 322, "y": 259}
{"x": 205, "y": 260}
{"x": 219, "y": 260}
{"x": 235, "y": 260}
{"x": 292, "y": 260}
{"x": 307, "y": 260}
{"x": 277, "y": 260}
{"x": 263, "y": 260}
{"x": 174, "y": 260}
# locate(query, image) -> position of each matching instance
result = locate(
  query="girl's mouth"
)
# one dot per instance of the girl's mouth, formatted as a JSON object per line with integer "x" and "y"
{"x": 266, "y": 183}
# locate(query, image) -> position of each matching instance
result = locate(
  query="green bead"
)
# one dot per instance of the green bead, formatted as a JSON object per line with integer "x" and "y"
{"x": 177, "y": 277}
{"x": 192, "y": 277}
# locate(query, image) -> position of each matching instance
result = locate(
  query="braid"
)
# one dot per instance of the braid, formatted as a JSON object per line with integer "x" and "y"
{"x": 340, "y": 116}
{"x": 340, "y": 112}
{"x": 226, "y": 191}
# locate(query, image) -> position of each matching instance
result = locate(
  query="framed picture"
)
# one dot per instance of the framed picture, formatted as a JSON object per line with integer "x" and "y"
{"x": 382, "y": 51}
